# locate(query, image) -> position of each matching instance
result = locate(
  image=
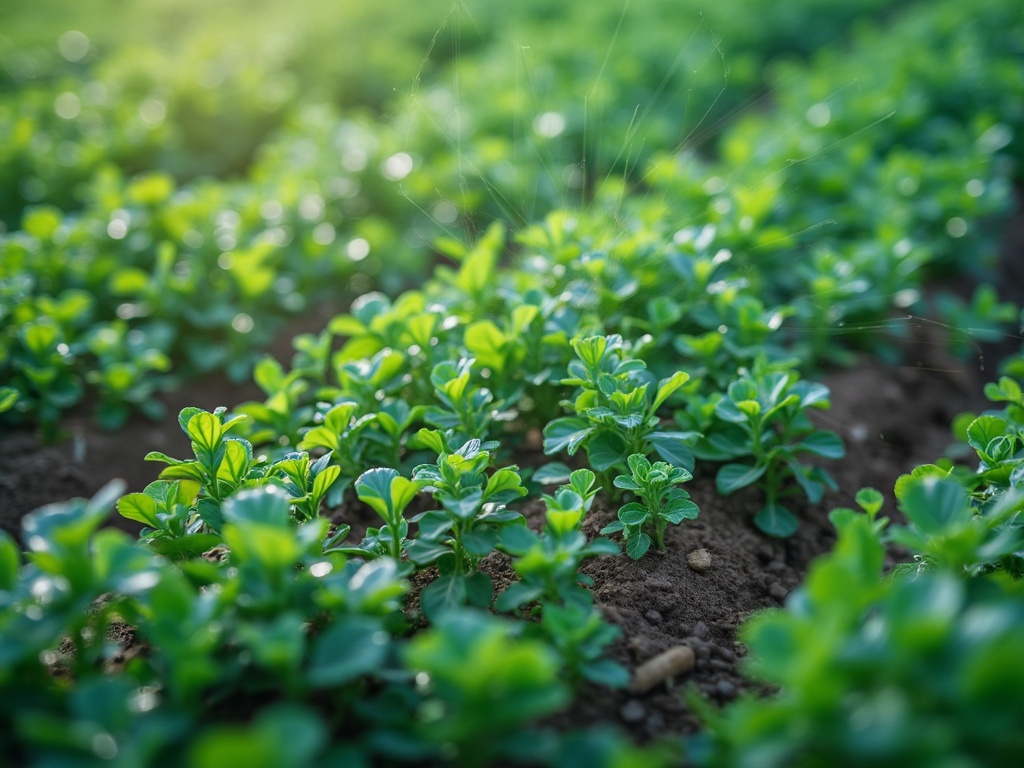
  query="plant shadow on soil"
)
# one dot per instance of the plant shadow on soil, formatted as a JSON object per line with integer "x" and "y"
{"x": 891, "y": 419}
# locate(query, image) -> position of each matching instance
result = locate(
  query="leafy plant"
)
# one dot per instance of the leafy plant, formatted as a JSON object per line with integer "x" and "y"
{"x": 888, "y": 670}
{"x": 764, "y": 418}
{"x": 661, "y": 504}
{"x": 470, "y": 661}
{"x": 466, "y": 411}
{"x": 388, "y": 493}
{"x": 466, "y": 528}
{"x": 581, "y": 636}
{"x": 616, "y": 409}
{"x": 222, "y": 463}
{"x": 566, "y": 508}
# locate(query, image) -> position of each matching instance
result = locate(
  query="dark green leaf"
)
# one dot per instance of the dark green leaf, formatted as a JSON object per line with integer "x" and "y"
{"x": 732, "y": 477}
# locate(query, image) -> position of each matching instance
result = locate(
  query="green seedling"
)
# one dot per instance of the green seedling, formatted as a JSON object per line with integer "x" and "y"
{"x": 661, "y": 504}
{"x": 126, "y": 372}
{"x": 222, "y": 463}
{"x": 465, "y": 663}
{"x": 763, "y": 419}
{"x": 343, "y": 433}
{"x": 580, "y": 635}
{"x": 388, "y": 493}
{"x": 307, "y": 482}
{"x": 616, "y": 410}
{"x": 281, "y": 417}
{"x": 45, "y": 377}
{"x": 168, "y": 510}
{"x": 566, "y": 508}
{"x": 466, "y": 411}
{"x": 548, "y": 566}
{"x": 466, "y": 528}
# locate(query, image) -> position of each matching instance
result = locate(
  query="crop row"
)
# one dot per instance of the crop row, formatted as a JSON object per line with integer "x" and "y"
{"x": 153, "y": 279}
{"x": 113, "y": 653}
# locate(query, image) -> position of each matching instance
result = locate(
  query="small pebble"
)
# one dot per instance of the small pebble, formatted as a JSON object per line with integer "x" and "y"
{"x": 699, "y": 560}
{"x": 775, "y": 566}
{"x": 700, "y": 629}
{"x": 633, "y": 711}
{"x": 664, "y": 666}
{"x": 702, "y": 651}
{"x": 778, "y": 591}
{"x": 653, "y": 616}
{"x": 720, "y": 665}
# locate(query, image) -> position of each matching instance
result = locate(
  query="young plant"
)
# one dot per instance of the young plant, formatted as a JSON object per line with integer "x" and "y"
{"x": 221, "y": 466}
{"x": 566, "y": 508}
{"x": 763, "y": 419}
{"x": 580, "y": 636}
{"x": 306, "y": 482}
{"x": 343, "y": 433}
{"x": 279, "y": 420}
{"x": 125, "y": 373}
{"x": 464, "y": 665}
{"x": 548, "y": 566}
{"x": 661, "y": 504}
{"x": 168, "y": 509}
{"x": 466, "y": 411}
{"x": 616, "y": 410}
{"x": 388, "y": 493}
{"x": 465, "y": 530}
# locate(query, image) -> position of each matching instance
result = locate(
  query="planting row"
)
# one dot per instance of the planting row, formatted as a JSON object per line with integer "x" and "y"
{"x": 154, "y": 280}
{"x": 243, "y": 624}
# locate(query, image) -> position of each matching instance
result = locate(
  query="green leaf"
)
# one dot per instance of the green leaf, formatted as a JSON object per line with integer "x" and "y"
{"x": 139, "y": 507}
{"x": 8, "y": 397}
{"x": 188, "y": 470}
{"x": 206, "y": 431}
{"x": 637, "y": 546}
{"x": 606, "y": 672}
{"x": 517, "y": 594}
{"x": 679, "y": 509}
{"x": 672, "y": 447}
{"x": 732, "y": 477}
{"x": 480, "y": 543}
{"x": 235, "y": 464}
{"x": 348, "y": 649}
{"x": 266, "y": 505}
{"x": 423, "y": 551}
{"x": 984, "y": 429}
{"x": 633, "y": 513}
{"x": 504, "y": 481}
{"x": 479, "y": 590}
{"x": 667, "y": 387}
{"x": 936, "y": 505}
{"x": 822, "y": 443}
{"x": 565, "y": 434}
{"x": 188, "y": 546}
{"x": 870, "y": 500}
{"x": 10, "y": 561}
{"x": 486, "y": 342}
{"x": 606, "y": 450}
{"x": 517, "y": 539}
{"x": 626, "y": 483}
{"x": 387, "y": 492}
{"x": 775, "y": 520}
{"x": 552, "y": 473}
{"x": 444, "y": 594}
{"x": 324, "y": 480}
